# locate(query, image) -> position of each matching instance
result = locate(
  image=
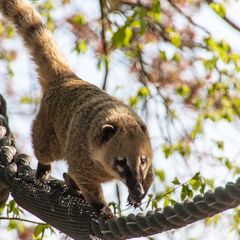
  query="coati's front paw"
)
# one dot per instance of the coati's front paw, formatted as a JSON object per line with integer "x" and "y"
{"x": 106, "y": 213}
{"x": 103, "y": 211}
{"x": 135, "y": 202}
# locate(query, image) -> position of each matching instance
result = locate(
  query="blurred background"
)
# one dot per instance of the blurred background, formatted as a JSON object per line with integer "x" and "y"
{"x": 176, "y": 63}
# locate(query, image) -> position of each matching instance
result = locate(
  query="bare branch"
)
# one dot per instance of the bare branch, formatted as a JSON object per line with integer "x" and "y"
{"x": 179, "y": 10}
{"x": 104, "y": 42}
{"x": 231, "y": 23}
{"x": 23, "y": 220}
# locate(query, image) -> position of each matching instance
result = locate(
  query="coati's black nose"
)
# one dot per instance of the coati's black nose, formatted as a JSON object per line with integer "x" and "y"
{"x": 138, "y": 190}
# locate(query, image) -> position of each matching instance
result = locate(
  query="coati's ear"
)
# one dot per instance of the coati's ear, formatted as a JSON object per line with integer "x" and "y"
{"x": 143, "y": 127}
{"x": 108, "y": 131}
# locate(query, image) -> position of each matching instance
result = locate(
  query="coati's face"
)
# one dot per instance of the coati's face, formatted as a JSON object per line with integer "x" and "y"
{"x": 125, "y": 153}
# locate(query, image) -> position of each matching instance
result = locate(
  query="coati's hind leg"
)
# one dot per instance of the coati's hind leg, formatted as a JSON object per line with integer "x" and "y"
{"x": 72, "y": 184}
{"x": 43, "y": 171}
{"x": 46, "y": 146}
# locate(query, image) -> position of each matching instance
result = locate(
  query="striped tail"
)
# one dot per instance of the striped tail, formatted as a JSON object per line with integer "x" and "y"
{"x": 52, "y": 67}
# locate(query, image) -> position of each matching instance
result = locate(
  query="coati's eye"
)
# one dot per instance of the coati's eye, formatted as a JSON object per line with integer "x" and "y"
{"x": 121, "y": 162}
{"x": 143, "y": 160}
{"x": 108, "y": 131}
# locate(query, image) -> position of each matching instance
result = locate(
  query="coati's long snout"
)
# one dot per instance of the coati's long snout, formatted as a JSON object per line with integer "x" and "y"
{"x": 135, "y": 176}
{"x": 135, "y": 186}
{"x": 136, "y": 192}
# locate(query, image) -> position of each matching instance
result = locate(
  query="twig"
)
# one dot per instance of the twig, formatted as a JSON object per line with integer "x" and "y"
{"x": 104, "y": 42}
{"x": 231, "y": 23}
{"x": 22, "y": 220}
{"x": 136, "y": 3}
{"x": 179, "y": 10}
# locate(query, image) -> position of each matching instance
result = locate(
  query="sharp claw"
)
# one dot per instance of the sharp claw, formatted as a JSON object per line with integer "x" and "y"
{"x": 133, "y": 202}
{"x": 106, "y": 213}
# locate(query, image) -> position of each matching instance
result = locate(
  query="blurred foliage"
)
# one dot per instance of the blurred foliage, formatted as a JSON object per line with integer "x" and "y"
{"x": 187, "y": 80}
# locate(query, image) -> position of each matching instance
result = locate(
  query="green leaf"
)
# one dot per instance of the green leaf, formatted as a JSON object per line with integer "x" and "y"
{"x": 210, "y": 182}
{"x": 176, "y": 181}
{"x": 190, "y": 193}
{"x": 195, "y": 184}
{"x": 163, "y": 55}
{"x": 2, "y": 208}
{"x": 141, "y": 14}
{"x": 220, "y": 144}
{"x": 11, "y": 206}
{"x": 198, "y": 128}
{"x": 156, "y": 6}
{"x": 10, "y": 32}
{"x": 184, "y": 192}
{"x": 1, "y": 28}
{"x": 26, "y": 100}
{"x": 133, "y": 101}
{"x": 143, "y": 92}
{"x": 154, "y": 204}
{"x": 160, "y": 173}
{"x": 183, "y": 90}
{"x": 12, "y": 225}
{"x": 81, "y": 46}
{"x": 167, "y": 150}
{"x": 167, "y": 201}
{"x": 135, "y": 24}
{"x": 176, "y": 57}
{"x": 219, "y": 8}
{"x": 79, "y": 19}
{"x": 174, "y": 37}
{"x": 196, "y": 176}
{"x": 183, "y": 149}
{"x": 39, "y": 229}
{"x": 202, "y": 189}
{"x": 228, "y": 164}
{"x": 172, "y": 201}
{"x": 48, "y": 5}
{"x": 155, "y": 13}
{"x": 122, "y": 37}
{"x": 210, "y": 64}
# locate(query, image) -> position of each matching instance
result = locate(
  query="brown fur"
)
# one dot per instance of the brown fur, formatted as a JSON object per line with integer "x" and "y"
{"x": 71, "y": 119}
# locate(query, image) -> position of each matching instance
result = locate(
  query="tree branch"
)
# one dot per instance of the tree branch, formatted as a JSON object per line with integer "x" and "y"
{"x": 231, "y": 23}
{"x": 179, "y": 10}
{"x": 22, "y": 220}
{"x": 104, "y": 42}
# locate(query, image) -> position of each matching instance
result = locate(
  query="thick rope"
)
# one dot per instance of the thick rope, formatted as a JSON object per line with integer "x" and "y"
{"x": 56, "y": 204}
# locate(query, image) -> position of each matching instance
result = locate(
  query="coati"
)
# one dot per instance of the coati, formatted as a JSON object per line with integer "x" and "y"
{"x": 100, "y": 137}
